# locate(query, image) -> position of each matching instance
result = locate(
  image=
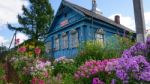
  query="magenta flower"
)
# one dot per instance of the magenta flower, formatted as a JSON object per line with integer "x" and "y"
{"x": 41, "y": 81}
{"x": 22, "y": 49}
{"x": 37, "y": 51}
{"x": 97, "y": 81}
{"x": 34, "y": 80}
{"x": 17, "y": 41}
{"x": 46, "y": 74}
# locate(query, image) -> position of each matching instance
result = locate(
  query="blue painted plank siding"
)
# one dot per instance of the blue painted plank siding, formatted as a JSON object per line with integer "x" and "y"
{"x": 86, "y": 29}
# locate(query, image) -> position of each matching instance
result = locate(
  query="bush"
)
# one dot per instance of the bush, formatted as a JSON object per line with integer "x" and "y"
{"x": 121, "y": 70}
{"x": 68, "y": 79}
{"x": 89, "y": 50}
{"x": 64, "y": 68}
{"x": 96, "y": 51}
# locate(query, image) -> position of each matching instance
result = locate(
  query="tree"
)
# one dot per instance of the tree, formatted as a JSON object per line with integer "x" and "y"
{"x": 35, "y": 20}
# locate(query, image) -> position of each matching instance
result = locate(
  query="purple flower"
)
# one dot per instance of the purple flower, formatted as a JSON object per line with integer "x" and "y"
{"x": 97, "y": 81}
{"x": 127, "y": 53}
{"x": 122, "y": 74}
{"x": 113, "y": 81}
{"x": 148, "y": 42}
{"x": 140, "y": 46}
{"x": 145, "y": 76}
{"x": 138, "y": 49}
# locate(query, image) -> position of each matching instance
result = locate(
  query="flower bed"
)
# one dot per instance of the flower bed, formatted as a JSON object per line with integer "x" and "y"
{"x": 132, "y": 67}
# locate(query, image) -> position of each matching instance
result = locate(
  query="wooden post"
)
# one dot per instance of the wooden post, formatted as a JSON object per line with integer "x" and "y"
{"x": 139, "y": 20}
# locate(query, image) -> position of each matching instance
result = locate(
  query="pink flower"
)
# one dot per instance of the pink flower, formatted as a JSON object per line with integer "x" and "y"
{"x": 76, "y": 76}
{"x": 22, "y": 49}
{"x": 41, "y": 81}
{"x": 34, "y": 80}
{"x": 17, "y": 41}
{"x": 37, "y": 51}
{"x": 41, "y": 65}
{"x": 46, "y": 74}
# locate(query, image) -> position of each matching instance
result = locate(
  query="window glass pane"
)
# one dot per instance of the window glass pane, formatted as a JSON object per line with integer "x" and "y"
{"x": 65, "y": 42}
{"x": 99, "y": 37}
{"x": 48, "y": 47}
{"x": 57, "y": 44}
{"x": 74, "y": 40}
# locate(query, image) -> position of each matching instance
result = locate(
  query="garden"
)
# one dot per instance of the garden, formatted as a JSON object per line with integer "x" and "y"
{"x": 95, "y": 64}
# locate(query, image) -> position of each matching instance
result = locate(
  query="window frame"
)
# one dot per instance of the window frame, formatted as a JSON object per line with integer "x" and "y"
{"x": 56, "y": 42}
{"x": 65, "y": 40}
{"x": 99, "y": 32}
{"x": 48, "y": 46}
{"x": 74, "y": 38}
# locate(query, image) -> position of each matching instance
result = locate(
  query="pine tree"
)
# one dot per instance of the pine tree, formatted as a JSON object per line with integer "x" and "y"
{"x": 35, "y": 20}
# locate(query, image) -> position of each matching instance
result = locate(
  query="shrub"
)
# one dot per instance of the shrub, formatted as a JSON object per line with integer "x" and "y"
{"x": 89, "y": 50}
{"x": 64, "y": 66}
{"x": 96, "y": 51}
{"x": 68, "y": 79}
{"x": 92, "y": 69}
{"x": 131, "y": 68}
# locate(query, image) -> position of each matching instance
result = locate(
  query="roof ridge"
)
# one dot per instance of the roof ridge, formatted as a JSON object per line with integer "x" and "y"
{"x": 96, "y": 16}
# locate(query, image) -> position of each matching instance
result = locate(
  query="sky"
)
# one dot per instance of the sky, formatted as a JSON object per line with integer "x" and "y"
{"x": 9, "y": 9}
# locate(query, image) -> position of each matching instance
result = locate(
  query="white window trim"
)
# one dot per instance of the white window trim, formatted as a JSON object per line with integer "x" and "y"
{"x": 57, "y": 43}
{"x": 101, "y": 33}
{"x": 64, "y": 40}
{"x": 48, "y": 47}
{"x": 74, "y": 38}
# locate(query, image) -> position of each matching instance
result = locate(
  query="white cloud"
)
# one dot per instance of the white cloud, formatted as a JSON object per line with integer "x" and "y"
{"x": 147, "y": 20}
{"x": 125, "y": 20}
{"x": 3, "y": 41}
{"x": 129, "y": 22}
{"x": 9, "y": 9}
{"x": 22, "y": 37}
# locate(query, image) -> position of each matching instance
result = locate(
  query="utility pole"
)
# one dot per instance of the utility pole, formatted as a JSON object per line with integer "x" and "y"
{"x": 139, "y": 20}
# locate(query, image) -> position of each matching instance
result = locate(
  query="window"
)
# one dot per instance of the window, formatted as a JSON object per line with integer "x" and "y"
{"x": 74, "y": 38}
{"x": 99, "y": 35}
{"x": 65, "y": 14}
{"x": 64, "y": 41}
{"x": 48, "y": 47}
{"x": 56, "y": 43}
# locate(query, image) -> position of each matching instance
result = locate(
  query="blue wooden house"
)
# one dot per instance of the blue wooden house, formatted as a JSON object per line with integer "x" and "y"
{"x": 74, "y": 24}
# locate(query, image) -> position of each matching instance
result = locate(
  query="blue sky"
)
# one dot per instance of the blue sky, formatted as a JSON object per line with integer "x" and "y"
{"x": 11, "y": 8}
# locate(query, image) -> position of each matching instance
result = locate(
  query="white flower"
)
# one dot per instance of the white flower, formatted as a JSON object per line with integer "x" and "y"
{"x": 60, "y": 58}
{"x": 48, "y": 63}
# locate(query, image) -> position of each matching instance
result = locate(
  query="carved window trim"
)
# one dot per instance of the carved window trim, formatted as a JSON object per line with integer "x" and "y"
{"x": 100, "y": 31}
{"x": 74, "y": 38}
{"x": 57, "y": 42}
{"x": 99, "y": 35}
{"x": 64, "y": 40}
{"x": 48, "y": 47}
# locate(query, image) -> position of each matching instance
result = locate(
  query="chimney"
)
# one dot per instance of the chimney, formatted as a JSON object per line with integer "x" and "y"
{"x": 94, "y": 5}
{"x": 117, "y": 19}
